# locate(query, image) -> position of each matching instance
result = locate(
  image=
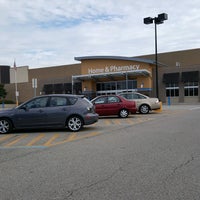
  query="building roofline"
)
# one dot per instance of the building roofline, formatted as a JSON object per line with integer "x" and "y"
{"x": 115, "y": 58}
{"x": 170, "y": 52}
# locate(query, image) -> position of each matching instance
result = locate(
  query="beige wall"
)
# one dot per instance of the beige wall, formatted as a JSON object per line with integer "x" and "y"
{"x": 187, "y": 60}
{"x": 48, "y": 75}
{"x": 99, "y": 66}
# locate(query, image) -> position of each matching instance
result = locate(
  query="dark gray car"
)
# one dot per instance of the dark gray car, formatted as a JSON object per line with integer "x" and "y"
{"x": 49, "y": 111}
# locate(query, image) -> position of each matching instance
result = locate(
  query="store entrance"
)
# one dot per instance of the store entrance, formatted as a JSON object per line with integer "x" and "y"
{"x": 115, "y": 87}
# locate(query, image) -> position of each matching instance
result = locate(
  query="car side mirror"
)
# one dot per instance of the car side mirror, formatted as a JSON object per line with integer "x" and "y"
{"x": 24, "y": 107}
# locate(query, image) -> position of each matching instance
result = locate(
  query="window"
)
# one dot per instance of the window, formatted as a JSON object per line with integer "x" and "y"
{"x": 37, "y": 103}
{"x": 116, "y": 85}
{"x": 107, "y": 86}
{"x": 113, "y": 99}
{"x": 72, "y": 100}
{"x": 121, "y": 85}
{"x": 48, "y": 89}
{"x": 171, "y": 78}
{"x": 58, "y": 101}
{"x": 138, "y": 96}
{"x": 132, "y": 84}
{"x": 172, "y": 90}
{"x": 67, "y": 88}
{"x": 58, "y": 88}
{"x": 191, "y": 88}
{"x": 100, "y": 100}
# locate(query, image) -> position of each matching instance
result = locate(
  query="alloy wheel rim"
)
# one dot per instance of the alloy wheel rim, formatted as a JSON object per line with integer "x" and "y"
{"x": 4, "y": 126}
{"x": 144, "y": 109}
{"x": 124, "y": 113}
{"x": 74, "y": 123}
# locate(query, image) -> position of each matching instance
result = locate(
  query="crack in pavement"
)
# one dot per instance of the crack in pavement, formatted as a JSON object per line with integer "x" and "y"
{"x": 175, "y": 169}
{"x": 183, "y": 164}
{"x": 71, "y": 192}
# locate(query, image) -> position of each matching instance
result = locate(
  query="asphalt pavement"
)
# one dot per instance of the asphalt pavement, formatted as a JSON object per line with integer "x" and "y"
{"x": 155, "y": 159}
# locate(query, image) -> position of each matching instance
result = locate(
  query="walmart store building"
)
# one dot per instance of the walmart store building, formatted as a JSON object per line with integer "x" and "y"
{"x": 178, "y": 77}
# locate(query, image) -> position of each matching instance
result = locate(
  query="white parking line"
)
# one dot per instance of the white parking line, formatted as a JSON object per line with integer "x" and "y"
{"x": 195, "y": 108}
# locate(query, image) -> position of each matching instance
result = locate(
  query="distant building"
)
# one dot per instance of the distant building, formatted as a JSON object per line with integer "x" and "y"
{"x": 4, "y": 74}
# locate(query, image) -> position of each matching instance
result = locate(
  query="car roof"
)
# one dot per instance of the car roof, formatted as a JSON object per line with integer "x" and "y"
{"x": 108, "y": 95}
{"x": 52, "y": 95}
{"x": 128, "y": 92}
{"x": 61, "y": 95}
{"x": 132, "y": 92}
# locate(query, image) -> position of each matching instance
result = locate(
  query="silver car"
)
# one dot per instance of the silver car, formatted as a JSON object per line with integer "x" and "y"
{"x": 49, "y": 111}
{"x": 143, "y": 103}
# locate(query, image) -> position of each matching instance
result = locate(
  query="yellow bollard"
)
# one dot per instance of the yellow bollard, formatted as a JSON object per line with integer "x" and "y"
{"x": 160, "y": 109}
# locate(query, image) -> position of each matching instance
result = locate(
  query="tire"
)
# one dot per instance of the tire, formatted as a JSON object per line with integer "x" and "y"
{"x": 144, "y": 109}
{"x": 74, "y": 123}
{"x": 5, "y": 126}
{"x": 123, "y": 113}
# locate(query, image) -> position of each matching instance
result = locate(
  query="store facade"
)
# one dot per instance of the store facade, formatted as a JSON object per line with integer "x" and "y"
{"x": 178, "y": 77}
{"x": 115, "y": 74}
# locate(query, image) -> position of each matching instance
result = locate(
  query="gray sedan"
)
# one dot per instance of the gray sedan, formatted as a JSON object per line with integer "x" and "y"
{"x": 49, "y": 111}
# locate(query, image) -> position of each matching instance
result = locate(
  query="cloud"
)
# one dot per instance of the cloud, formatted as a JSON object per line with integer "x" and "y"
{"x": 46, "y": 33}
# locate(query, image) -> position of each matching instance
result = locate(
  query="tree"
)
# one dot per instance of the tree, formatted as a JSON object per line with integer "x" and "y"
{"x": 3, "y": 92}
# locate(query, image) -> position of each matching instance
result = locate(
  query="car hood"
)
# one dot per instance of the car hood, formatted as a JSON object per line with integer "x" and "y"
{"x": 6, "y": 111}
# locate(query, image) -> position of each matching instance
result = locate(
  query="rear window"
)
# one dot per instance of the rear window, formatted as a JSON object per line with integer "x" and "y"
{"x": 72, "y": 100}
{"x": 113, "y": 99}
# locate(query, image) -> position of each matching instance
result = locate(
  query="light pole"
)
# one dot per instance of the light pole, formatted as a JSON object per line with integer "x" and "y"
{"x": 157, "y": 20}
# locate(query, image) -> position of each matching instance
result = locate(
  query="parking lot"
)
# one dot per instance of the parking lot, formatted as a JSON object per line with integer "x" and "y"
{"x": 154, "y": 155}
{"x": 47, "y": 138}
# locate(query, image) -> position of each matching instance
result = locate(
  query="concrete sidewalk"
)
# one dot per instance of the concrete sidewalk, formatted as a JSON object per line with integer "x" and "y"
{"x": 7, "y": 106}
{"x": 181, "y": 107}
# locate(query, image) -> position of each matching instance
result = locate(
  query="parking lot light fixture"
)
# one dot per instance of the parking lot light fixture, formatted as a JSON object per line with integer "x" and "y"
{"x": 157, "y": 20}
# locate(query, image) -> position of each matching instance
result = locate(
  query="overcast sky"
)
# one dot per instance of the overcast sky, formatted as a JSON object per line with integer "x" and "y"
{"x": 43, "y": 33}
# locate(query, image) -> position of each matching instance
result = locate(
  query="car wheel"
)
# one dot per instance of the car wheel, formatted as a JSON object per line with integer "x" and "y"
{"x": 74, "y": 123}
{"x": 123, "y": 113}
{"x": 144, "y": 109}
{"x": 5, "y": 126}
